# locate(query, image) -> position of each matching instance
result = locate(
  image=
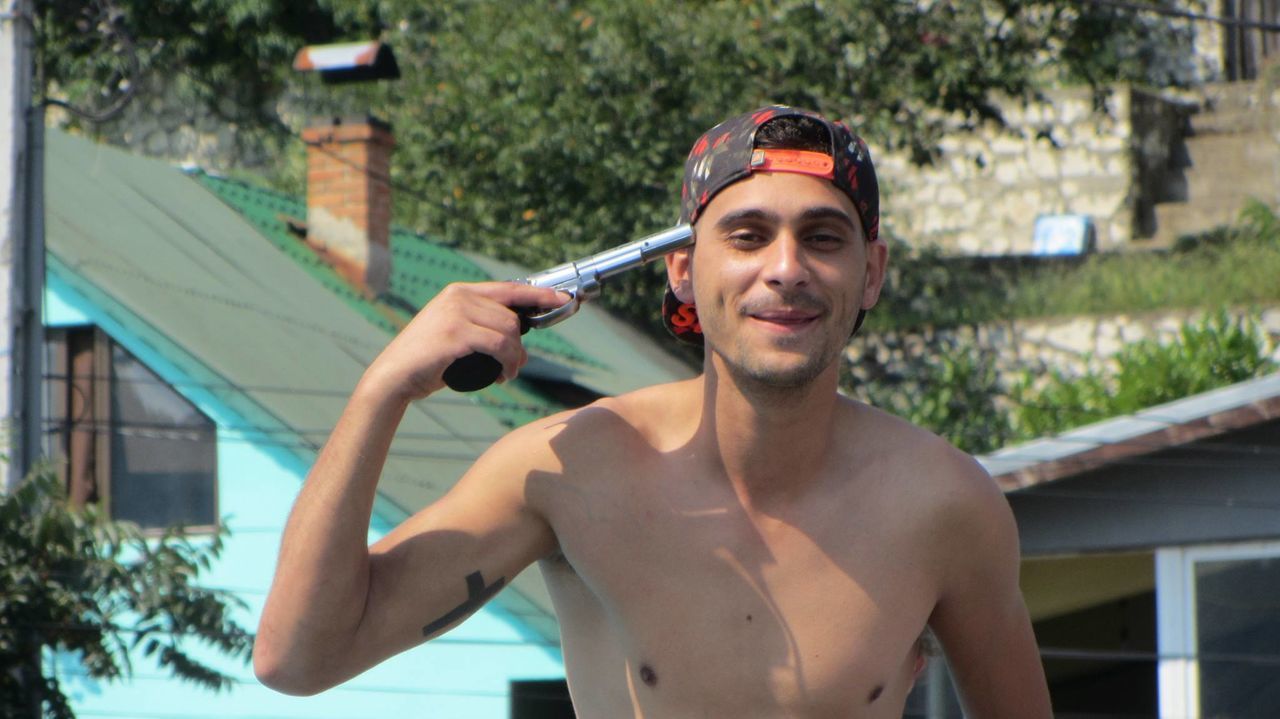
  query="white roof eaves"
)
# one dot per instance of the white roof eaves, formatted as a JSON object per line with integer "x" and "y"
{"x": 1013, "y": 466}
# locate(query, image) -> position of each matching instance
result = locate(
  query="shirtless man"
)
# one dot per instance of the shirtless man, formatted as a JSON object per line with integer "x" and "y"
{"x": 747, "y": 543}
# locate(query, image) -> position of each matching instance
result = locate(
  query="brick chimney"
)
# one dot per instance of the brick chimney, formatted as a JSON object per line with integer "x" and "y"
{"x": 349, "y": 198}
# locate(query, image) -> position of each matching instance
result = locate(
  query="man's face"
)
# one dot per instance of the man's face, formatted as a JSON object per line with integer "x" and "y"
{"x": 780, "y": 269}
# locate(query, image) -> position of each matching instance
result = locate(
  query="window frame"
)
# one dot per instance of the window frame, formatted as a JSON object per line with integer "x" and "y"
{"x": 1177, "y": 635}
{"x": 101, "y": 424}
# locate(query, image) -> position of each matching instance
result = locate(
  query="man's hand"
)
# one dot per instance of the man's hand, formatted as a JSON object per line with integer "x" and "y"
{"x": 461, "y": 319}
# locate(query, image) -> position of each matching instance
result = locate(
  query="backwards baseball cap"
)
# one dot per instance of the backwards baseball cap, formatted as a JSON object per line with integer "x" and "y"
{"x": 728, "y": 153}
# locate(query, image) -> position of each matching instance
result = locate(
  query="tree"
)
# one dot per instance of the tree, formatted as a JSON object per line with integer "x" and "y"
{"x": 540, "y": 132}
{"x": 78, "y": 582}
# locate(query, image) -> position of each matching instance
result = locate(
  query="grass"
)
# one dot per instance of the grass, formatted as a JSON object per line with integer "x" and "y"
{"x": 1229, "y": 267}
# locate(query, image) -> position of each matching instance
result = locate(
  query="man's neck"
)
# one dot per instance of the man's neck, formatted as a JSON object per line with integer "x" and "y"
{"x": 771, "y": 441}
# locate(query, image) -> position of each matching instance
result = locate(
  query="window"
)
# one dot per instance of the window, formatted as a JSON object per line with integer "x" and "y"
{"x": 1237, "y": 635}
{"x": 541, "y": 699}
{"x": 122, "y": 437}
{"x": 1219, "y": 620}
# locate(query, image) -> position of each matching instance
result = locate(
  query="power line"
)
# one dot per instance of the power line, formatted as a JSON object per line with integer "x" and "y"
{"x": 1202, "y": 445}
{"x": 160, "y": 430}
{"x": 413, "y": 192}
{"x": 275, "y": 315}
{"x": 1263, "y": 455}
{"x": 472, "y": 401}
{"x": 179, "y": 435}
{"x": 108, "y": 22}
{"x": 1131, "y": 655}
{"x": 1155, "y": 499}
{"x": 163, "y": 430}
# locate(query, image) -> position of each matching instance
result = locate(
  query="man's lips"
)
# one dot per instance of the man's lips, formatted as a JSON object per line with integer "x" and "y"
{"x": 785, "y": 318}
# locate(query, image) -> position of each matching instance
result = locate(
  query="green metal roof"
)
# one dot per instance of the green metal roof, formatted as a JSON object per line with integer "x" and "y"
{"x": 420, "y": 268}
{"x": 205, "y": 270}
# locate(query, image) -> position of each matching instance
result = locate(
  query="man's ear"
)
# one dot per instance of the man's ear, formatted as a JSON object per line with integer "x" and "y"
{"x": 877, "y": 260}
{"x": 680, "y": 273}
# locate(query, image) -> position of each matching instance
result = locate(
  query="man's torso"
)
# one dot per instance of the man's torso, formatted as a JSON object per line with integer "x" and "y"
{"x": 677, "y": 600}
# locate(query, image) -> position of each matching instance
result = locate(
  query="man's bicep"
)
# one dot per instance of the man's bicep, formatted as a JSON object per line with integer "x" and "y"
{"x": 446, "y": 561}
{"x": 981, "y": 619}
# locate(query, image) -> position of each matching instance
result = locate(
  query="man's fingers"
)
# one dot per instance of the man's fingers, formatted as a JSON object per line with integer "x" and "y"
{"x": 519, "y": 294}
{"x": 501, "y": 346}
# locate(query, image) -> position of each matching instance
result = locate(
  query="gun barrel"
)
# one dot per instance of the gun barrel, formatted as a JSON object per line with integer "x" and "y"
{"x": 614, "y": 261}
{"x": 633, "y": 254}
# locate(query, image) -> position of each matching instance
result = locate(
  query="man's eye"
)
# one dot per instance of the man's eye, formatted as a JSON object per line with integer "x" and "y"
{"x": 746, "y": 238}
{"x": 822, "y": 239}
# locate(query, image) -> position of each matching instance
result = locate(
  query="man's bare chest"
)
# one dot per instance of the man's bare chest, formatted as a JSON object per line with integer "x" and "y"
{"x": 698, "y": 596}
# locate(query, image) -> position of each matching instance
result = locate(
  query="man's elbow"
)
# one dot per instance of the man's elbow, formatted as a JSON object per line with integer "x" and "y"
{"x": 274, "y": 671}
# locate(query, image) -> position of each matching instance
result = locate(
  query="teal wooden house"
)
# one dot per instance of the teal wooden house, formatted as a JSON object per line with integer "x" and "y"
{"x": 203, "y": 335}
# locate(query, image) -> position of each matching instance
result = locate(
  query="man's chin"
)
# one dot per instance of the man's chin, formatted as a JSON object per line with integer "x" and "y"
{"x": 780, "y": 372}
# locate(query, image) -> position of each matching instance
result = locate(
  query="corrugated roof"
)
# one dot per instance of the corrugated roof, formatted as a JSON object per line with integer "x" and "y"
{"x": 1197, "y": 417}
{"x": 420, "y": 270}
{"x": 620, "y": 358}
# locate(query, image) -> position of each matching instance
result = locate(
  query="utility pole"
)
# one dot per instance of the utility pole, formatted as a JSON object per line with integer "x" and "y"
{"x": 21, "y": 243}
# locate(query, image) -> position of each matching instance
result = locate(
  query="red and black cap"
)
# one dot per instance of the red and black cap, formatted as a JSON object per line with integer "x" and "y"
{"x": 728, "y": 153}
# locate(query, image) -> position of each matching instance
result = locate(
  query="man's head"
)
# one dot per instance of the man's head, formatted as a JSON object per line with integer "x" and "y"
{"x": 785, "y": 205}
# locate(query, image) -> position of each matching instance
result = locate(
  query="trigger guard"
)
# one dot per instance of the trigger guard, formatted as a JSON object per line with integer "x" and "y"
{"x": 557, "y": 315}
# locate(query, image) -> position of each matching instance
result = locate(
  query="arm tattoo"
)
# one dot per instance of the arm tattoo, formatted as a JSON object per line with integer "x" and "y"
{"x": 477, "y": 594}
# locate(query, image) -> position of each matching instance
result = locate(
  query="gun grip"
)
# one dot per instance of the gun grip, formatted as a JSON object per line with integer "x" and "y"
{"x": 473, "y": 372}
{"x": 478, "y": 370}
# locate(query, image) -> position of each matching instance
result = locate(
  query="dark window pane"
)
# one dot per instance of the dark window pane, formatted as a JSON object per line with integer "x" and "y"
{"x": 1238, "y": 633}
{"x": 541, "y": 699}
{"x": 163, "y": 451}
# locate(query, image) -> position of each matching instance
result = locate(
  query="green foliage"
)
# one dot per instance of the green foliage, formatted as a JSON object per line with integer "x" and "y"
{"x": 78, "y": 582}
{"x": 1215, "y": 352}
{"x": 542, "y": 131}
{"x": 545, "y": 131}
{"x": 236, "y": 54}
{"x": 1057, "y": 402}
{"x": 1258, "y": 223}
{"x": 949, "y": 387}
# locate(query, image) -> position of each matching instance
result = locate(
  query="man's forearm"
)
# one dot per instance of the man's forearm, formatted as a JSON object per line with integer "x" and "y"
{"x": 322, "y": 579}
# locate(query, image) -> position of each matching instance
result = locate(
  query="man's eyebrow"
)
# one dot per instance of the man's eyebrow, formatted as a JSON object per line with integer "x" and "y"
{"x": 825, "y": 212}
{"x": 810, "y": 215}
{"x": 747, "y": 214}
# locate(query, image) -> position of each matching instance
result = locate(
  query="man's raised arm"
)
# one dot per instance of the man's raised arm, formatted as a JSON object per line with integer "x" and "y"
{"x": 337, "y": 606}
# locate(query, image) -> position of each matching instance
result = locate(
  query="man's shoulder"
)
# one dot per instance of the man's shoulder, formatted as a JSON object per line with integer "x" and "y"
{"x": 609, "y": 425}
{"x": 949, "y": 476}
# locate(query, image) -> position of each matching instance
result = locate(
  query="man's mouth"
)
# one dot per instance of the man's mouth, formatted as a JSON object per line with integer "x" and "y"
{"x": 785, "y": 317}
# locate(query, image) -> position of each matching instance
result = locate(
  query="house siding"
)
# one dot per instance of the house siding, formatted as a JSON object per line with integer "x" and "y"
{"x": 1216, "y": 490}
{"x": 466, "y": 673}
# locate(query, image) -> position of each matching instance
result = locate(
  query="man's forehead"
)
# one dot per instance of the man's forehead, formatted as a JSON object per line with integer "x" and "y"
{"x": 780, "y": 196}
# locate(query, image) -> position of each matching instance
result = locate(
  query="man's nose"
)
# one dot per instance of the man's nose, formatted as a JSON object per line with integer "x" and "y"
{"x": 785, "y": 264}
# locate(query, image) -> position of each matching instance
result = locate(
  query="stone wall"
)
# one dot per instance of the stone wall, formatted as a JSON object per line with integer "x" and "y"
{"x": 1056, "y": 156}
{"x": 1071, "y": 345}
